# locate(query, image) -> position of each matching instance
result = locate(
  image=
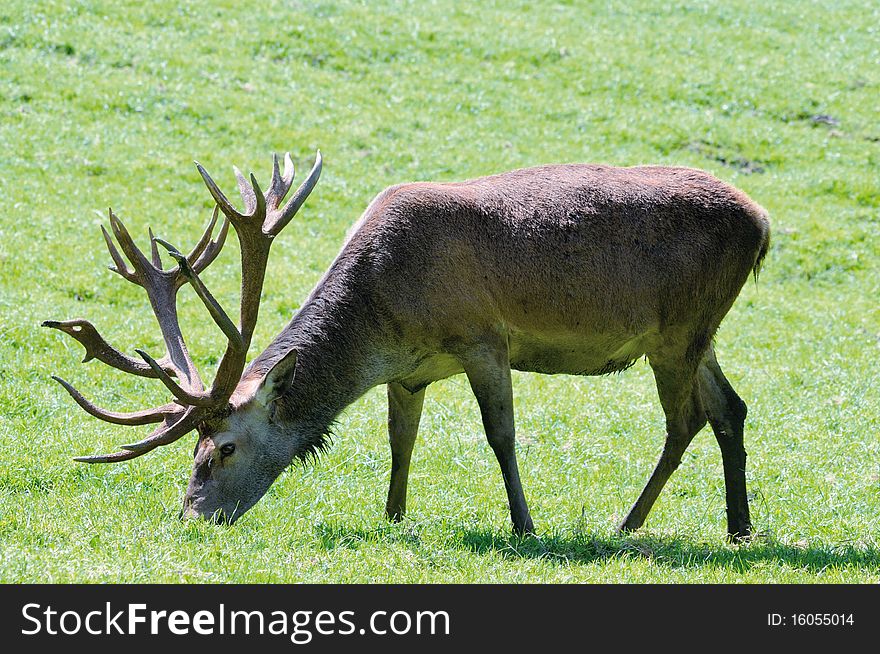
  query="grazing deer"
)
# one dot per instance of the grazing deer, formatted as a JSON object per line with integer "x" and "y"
{"x": 574, "y": 269}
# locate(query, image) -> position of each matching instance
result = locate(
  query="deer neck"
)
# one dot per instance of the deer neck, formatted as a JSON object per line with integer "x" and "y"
{"x": 340, "y": 356}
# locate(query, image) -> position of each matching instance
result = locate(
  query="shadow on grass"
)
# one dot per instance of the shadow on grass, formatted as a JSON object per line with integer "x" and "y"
{"x": 674, "y": 552}
{"x": 584, "y": 548}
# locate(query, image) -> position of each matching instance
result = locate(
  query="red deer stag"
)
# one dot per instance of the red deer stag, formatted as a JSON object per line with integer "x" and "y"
{"x": 575, "y": 269}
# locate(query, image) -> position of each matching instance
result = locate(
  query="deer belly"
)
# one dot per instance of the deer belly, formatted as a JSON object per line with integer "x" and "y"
{"x": 574, "y": 355}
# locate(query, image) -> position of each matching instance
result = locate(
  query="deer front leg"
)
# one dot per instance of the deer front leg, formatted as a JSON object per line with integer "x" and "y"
{"x": 488, "y": 372}
{"x": 404, "y": 412}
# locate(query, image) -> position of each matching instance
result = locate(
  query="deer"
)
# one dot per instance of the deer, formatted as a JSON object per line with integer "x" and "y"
{"x": 575, "y": 269}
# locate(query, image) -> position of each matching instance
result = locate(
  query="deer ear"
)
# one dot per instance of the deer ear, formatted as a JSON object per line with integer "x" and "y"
{"x": 278, "y": 379}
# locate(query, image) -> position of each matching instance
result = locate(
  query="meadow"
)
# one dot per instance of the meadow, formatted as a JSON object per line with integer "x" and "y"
{"x": 107, "y": 103}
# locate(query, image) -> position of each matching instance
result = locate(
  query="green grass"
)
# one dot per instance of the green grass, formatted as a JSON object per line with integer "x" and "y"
{"x": 106, "y": 103}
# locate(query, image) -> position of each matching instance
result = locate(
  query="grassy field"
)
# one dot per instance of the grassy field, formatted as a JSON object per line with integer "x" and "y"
{"x": 107, "y": 103}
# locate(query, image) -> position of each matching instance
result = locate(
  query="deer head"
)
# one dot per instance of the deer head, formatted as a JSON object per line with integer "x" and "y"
{"x": 239, "y": 452}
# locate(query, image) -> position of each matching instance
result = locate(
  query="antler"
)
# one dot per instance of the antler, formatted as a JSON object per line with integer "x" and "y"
{"x": 263, "y": 220}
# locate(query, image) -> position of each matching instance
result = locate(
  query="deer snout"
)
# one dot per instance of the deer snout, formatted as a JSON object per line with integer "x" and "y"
{"x": 218, "y": 516}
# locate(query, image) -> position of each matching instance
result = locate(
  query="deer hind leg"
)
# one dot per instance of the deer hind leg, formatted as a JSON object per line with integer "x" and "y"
{"x": 488, "y": 371}
{"x": 404, "y": 412}
{"x": 681, "y": 400}
{"x": 727, "y": 414}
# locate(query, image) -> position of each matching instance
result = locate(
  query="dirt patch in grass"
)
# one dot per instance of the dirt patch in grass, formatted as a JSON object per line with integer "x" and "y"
{"x": 727, "y": 158}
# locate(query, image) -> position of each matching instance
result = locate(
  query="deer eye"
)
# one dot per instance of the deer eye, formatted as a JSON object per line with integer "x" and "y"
{"x": 227, "y": 449}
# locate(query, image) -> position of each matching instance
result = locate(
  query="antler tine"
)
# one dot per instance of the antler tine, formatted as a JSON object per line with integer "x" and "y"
{"x": 116, "y": 457}
{"x": 280, "y": 184}
{"x": 132, "y": 251}
{"x": 97, "y": 348}
{"x": 120, "y": 268}
{"x": 221, "y": 200}
{"x": 252, "y": 196}
{"x": 213, "y": 249}
{"x": 144, "y": 417}
{"x": 206, "y": 250}
{"x": 185, "y": 396}
{"x": 260, "y": 210}
{"x": 162, "y": 435}
{"x": 167, "y": 433}
{"x": 154, "y": 251}
{"x": 247, "y": 193}
{"x": 276, "y": 186}
{"x": 205, "y": 239}
{"x": 281, "y": 218}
